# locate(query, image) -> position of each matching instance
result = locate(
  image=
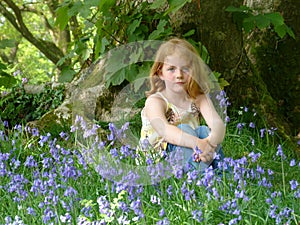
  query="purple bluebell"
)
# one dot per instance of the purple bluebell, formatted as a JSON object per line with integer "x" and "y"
{"x": 30, "y": 162}
{"x": 280, "y": 151}
{"x": 254, "y": 156}
{"x": 170, "y": 190}
{"x": 161, "y": 212}
{"x": 70, "y": 192}
{"x": 165, "y": 221}
{"x": 292, "y": 162}
{"x": 294, "y": 184}
{"x": 44, "y": 139}
{"x": 262, "y": 132}
{"x": 197, "y": 215}
{"x": 31, "y": 211}
{"x": 252, "y": 125}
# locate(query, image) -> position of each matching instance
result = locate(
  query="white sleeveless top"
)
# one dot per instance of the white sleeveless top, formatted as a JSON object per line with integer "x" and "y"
{"x": 175, "y": 116}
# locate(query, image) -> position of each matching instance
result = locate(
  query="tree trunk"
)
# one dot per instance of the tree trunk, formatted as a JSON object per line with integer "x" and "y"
{"x": 248, "y": 86}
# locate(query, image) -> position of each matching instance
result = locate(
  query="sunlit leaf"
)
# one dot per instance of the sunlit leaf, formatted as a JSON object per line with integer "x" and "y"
{"x": 62, "y": 18}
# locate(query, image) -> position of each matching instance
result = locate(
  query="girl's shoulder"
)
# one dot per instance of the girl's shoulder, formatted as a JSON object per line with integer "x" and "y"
{"x": 156, "y": 98}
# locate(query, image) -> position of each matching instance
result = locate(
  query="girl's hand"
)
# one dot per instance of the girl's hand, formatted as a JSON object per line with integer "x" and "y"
{"x": 204, "y": 151}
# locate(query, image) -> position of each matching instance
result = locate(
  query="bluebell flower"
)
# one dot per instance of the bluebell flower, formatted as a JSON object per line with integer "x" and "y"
{"x": 44, "y": 139}
{"x": 165, "y": 221}
{"x": 65, "y": 218}
{"x": 114, "y": 152}
{"x": 297, "y": 193}
{"x": 170, "y": 190}
{"x": 227, "y": 119}
{"x": 262, "y": 132}
{"x": 294, "y": 184}
{"x": 5, "y": 123}
{"x": 136, "y": 206}
{"x": 251, "y": 125}
{"x": 254, "y": 156}
{"x": 280, "y": 151}
{"x": 197, "y": 215}
{"x": 192, "y": 176}
{"x": 123, "y": 206}
{"x": 31, "y": 211}
{"x": 70, "y": 192}
{"x": 240, "y": 126}
{"x": 292, "y": 162}
{"x": 161, "y": 212}
{"x": 30, "y": 162}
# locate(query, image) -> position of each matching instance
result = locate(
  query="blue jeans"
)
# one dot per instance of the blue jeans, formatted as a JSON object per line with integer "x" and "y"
{"x": 200, "y": 132}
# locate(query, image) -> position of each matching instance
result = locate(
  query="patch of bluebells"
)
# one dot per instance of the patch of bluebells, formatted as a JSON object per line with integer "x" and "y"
{"x": 53, "y": 179}
{"x": 46, "y": 177}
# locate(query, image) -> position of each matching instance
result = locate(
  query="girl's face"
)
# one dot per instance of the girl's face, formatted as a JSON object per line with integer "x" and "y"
{"x": 175, "y": 72}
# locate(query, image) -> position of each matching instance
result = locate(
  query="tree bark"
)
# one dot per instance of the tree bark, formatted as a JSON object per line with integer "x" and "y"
{"x": 225, "y": 43}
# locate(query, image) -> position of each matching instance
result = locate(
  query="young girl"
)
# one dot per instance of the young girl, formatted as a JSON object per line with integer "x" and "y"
{"x": 176, "y": 102}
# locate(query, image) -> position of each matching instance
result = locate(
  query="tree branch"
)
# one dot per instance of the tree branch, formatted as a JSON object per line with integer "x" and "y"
{"x": 49, "y": 49}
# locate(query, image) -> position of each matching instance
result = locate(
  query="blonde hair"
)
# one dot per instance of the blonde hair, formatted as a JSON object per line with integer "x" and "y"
{"x": 198, "y": 80}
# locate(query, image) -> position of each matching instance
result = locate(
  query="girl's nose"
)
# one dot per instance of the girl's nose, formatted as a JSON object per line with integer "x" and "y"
{"x": 179, "y": 74}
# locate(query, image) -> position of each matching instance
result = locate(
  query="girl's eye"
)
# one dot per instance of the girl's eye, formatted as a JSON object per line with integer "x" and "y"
{"x": 171, "y": 69}
{"x": 185, "y": 70}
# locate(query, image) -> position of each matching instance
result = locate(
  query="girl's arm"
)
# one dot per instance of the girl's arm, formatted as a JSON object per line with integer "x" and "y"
{"x": 212, "y": 119}
{"x": 155, "y": 109}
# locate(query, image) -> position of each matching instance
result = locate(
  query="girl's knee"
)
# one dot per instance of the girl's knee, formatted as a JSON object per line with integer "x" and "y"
{"x": 203, "y": 131}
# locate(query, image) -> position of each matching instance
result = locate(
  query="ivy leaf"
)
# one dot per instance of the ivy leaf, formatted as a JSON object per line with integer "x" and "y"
{"x": 261, "y": 21}
{"x": 275, "y": 18}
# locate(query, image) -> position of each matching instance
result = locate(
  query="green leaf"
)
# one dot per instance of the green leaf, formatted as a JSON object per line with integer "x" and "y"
{"x": 105, "y": 6}
{"x": 290, "y": 32}
{"x": 160, "y": 29}
{"x": 275, "y": 18}
{"x": 7, "y": 43}
{"x": 132, "y": 27}
{"x": 261, "y": 21}
{"x": 131, "y": 72}
{"x": 100, "y": 46}
{"x": 281, "y": 30}
{"x": 117, "y": 77}
{"x": 248, "y": 24}
{"x": 175, "y": 5}
{"x": 62, "y": 18}
{"x": 67, "y": 75}
{"x": 189, "y": 33}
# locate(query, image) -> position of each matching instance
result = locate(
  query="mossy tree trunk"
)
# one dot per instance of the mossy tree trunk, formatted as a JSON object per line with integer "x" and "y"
{"x": 243, "y": 66}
